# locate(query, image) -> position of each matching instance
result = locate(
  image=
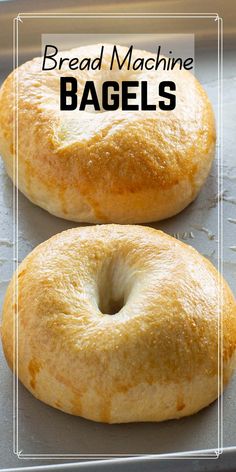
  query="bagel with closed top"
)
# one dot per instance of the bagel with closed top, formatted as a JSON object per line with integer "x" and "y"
{"x": 120, "y": 324}
{"x": 113, "y": 166}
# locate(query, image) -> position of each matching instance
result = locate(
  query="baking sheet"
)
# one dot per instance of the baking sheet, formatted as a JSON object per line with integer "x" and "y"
{"x": 225, "y": 463}
{"x": 45, "y": 430}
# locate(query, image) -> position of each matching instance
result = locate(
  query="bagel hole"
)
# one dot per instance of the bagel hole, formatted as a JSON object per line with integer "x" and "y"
{"x": 111, "y": 287}
{"x": 111, "y": 306}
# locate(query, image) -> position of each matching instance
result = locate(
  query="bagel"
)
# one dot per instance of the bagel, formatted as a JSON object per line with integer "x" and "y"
{"x": 119, "y": 324}
{"x": 106, "y": 167}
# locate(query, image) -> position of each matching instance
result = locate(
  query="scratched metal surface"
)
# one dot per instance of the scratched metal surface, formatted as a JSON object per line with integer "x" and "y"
{"x": 45, "y": 430}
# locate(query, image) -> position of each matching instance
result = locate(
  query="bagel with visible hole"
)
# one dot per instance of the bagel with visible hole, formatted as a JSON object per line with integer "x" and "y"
{"x": 120, "y": 324}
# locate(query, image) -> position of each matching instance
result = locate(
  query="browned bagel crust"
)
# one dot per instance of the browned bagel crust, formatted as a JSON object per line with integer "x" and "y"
{"x": 155, "y": 359}
{"x": 107, "y": 167}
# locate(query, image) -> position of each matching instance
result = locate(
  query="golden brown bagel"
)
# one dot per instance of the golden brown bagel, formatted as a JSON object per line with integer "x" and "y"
{"x": 120, "y": 324}
{"x": 122, "y": 167}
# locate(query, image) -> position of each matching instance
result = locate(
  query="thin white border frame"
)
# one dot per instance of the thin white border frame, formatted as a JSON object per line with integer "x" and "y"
{"x": 203, "y": 454}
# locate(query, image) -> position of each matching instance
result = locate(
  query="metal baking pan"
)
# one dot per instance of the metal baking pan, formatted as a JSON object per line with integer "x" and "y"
{"x": 225, "y": 463}
{"x": 45, "y": 433}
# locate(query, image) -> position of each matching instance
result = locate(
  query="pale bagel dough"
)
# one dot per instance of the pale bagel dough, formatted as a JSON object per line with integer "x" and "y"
{"x": 114, "y": 166}
{"x": 120, "y": 324}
